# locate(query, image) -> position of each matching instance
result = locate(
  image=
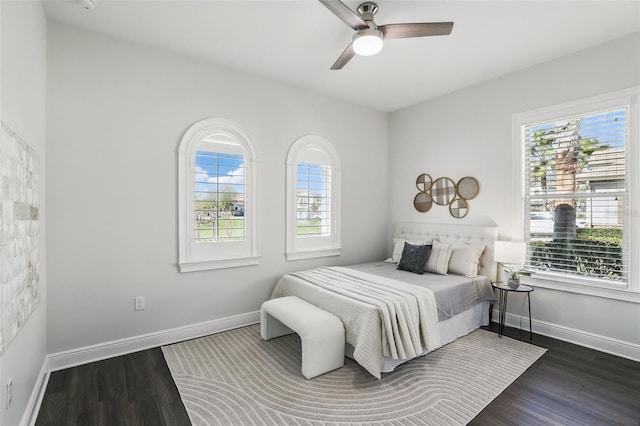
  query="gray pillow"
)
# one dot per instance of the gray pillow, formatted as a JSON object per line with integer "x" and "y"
{"x": 414, "y": 258}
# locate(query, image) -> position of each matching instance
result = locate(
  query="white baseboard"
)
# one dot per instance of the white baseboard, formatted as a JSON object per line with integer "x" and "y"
{"x": 33, "y": 405}
{"x": 73, "y": 357}
{"x": 583, "y": 338}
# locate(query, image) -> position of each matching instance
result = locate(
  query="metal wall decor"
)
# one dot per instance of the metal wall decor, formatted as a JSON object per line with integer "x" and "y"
{"x": 423, "y": 201}
{"x": 468, "y": 188}
{"x": 445, "y": 192}
{"x": 423, "y": 183}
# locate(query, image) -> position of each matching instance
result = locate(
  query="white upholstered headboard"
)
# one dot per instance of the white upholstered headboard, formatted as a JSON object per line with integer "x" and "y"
{"x": 445, "y": 232}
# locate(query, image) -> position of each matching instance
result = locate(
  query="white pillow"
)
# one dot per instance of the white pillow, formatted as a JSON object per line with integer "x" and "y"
{"x": 465, "y": 259}
{"x": 438, "y": 262}
{"x": 398, "y": 246}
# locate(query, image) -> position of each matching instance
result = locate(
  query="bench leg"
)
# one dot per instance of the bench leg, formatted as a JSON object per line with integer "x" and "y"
{"x": 271, "y": 328}
{"x": 321, "y": 355}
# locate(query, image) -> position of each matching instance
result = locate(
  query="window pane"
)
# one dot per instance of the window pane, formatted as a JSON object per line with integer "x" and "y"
{"x": 313, "y": 188}
{"x": 219, "y": 197}
{"x": 583, "y": 241}
{"x": 575, "y": 186}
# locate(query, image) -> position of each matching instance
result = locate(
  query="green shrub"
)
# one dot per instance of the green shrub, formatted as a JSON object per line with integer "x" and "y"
{"x": 596, "y": 255}
{"x": 612, "y": 236}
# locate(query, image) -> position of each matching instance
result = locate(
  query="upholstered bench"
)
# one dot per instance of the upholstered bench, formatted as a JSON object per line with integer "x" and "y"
{"x": 321, "y": 333}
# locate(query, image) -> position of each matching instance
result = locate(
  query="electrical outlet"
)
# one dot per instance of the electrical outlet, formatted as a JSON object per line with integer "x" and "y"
{"x": 9, "y": 394}
{"x": 138, "y": 303}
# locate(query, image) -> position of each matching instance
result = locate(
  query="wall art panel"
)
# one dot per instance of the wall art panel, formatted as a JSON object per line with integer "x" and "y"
{"x": 19, "y": 234}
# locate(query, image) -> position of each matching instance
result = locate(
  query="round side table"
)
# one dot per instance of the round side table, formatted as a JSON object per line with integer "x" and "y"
{"x": 504, "y": 291}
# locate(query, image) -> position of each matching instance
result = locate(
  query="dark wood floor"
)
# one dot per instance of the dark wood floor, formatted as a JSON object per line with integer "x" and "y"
{"x": 568, "y": 385}
{"x": 134, "y": 389}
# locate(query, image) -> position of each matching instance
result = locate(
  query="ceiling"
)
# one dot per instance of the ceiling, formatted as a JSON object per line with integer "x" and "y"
{"x": 296, "y": 41}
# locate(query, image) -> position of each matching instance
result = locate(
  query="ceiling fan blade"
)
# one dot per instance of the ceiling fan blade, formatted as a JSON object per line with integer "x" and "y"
{"x": 416, "y": 30}
{"x": 343, "y": 12}
{"x": 344, "y": 57}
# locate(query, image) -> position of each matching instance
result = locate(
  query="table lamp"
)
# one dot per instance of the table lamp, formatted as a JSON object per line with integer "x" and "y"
{"x": 511, "y": 255}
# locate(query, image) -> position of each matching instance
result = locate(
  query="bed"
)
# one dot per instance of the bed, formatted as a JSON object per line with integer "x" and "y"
{"x": 392, "y": 316}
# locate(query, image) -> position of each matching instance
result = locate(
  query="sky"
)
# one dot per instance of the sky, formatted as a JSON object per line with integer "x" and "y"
{"x": 217, "y": 171}
{"x": 310, "y": 177}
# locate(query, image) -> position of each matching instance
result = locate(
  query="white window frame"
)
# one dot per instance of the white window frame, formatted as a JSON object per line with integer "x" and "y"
{"x": 215, "y": 255}
{"x": 631, "y": 234}
{"x": 305, "y": 149}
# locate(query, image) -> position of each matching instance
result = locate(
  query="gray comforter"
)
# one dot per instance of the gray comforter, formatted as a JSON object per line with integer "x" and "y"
{"x": 454, "y": 293}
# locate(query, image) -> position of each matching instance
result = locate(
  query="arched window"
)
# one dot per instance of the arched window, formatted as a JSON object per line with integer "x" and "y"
{"x": 217, "y": 215}
{"x": 313, "y": 199}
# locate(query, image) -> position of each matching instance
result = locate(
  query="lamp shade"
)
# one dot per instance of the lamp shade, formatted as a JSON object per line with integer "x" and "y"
{"x": 509, "y": 253}
{"x": 367, "y": 42}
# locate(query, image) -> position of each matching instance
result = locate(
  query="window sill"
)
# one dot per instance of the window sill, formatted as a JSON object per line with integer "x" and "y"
{"x": 311, "y": 254}
{"x": 205, "y": 265}
{"x": 539, "y": 280}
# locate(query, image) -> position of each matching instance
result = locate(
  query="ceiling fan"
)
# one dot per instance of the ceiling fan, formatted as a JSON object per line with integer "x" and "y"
{"x": 368, "y": 37}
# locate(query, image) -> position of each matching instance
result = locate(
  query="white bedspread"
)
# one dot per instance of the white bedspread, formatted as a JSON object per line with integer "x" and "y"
{"x": 382, "y": 317}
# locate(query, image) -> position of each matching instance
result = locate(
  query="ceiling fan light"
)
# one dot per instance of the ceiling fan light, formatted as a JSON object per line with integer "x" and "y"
{"x": 367, "y": 42}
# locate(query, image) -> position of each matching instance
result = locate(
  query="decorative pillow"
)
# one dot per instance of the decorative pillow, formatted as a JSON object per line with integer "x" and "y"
{"x": 438, "y": 261}
{"x": 398, "y": 247}
{"x": 465, "y": 259}
{"x": 413, "y": 258}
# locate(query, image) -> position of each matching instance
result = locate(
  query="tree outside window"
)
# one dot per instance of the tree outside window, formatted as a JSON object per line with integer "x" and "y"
{"x": 575, "y": 187}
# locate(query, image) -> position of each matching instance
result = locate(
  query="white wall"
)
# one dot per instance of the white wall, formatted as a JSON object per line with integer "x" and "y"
{"x": 468, "y": 133}
{"x": 22, "y": 91}
{"x": 116, "y": 113}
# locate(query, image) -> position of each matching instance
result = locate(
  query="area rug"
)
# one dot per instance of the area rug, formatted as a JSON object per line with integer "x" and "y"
{"x": 236, "y": 378}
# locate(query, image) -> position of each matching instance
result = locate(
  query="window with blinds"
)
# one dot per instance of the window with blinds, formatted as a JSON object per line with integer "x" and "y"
{"x": 313, "y": 199}
{"x": 575, "y": 194}
{"x": 219, "y": 194}
{"x": 313, "y": 190}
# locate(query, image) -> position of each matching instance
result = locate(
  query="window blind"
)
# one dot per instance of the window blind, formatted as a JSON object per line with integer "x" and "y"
{"x": 219, "y": 195}
{"x": 313, "y": 188}
{"x": 575, "y": 190}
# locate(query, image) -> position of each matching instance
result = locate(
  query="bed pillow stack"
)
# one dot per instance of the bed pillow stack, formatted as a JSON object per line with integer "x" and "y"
{"x": 439, "y": 258}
